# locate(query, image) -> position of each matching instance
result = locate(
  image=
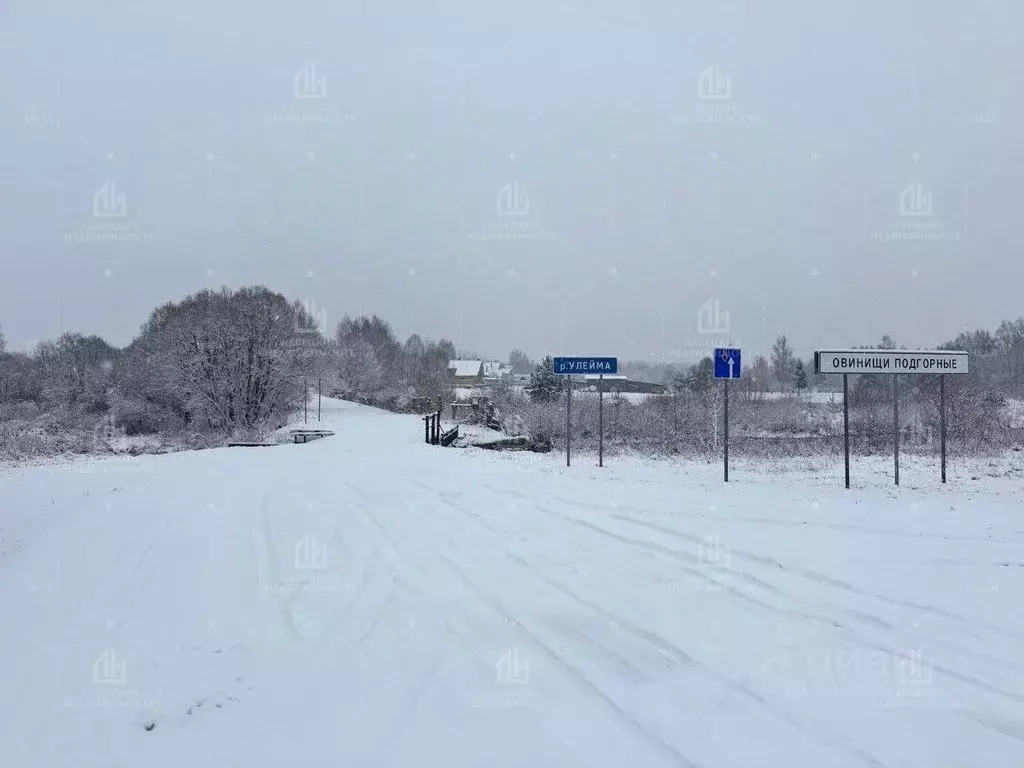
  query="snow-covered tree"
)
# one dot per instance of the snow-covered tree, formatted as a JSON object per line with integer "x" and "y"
{"x": 545, "y": 385}
{"x": 799, "y": 376}
{"x": 358, "y": 367}
{"x": 702, "y": 376}
{"x": 228, "y": 359}
{"x": 520, "y": 361}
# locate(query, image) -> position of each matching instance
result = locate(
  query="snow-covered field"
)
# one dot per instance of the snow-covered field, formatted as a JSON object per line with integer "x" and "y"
{"x": 368, "y": 600}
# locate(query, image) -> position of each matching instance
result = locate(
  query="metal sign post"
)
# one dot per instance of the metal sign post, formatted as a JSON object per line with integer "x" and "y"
{"x": 600, "y": 420}
{"x": 305, "y": 401}
{"x": 896, "y": 426}
{"x": 319, "y": 396}
{"x": 894, "y": 362}
{"x": 569, "y": 366}
{"x": 846, "y": 427}
{"x": 942, "y": 423}
{"x": 727, "y": 366}
{"x": 568, "y": 419}
{"x": 726, "y": 385}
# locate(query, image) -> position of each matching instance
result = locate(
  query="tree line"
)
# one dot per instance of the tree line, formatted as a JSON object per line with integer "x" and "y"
{"x": 217, "y": 362}
{"x": 222, "y": 362}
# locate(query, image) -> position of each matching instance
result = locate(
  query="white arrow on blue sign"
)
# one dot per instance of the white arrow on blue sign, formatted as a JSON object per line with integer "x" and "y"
{"x": 571, "y": 366}
{"x": 727, "y": 363}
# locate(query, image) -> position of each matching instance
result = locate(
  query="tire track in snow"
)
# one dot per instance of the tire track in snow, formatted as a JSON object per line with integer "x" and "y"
{"x": 823, "y": 735}
{"x": 828, "y": 580}
{"x": 844, "y": 631}
{"x": 677, "y": 556}
{"x": 796, "y": 524}
{"x": 265, "y": 541}
{"x": 649, "y": 735}
{"x": 576, "y": 676}
{"x": 830, "y": 738}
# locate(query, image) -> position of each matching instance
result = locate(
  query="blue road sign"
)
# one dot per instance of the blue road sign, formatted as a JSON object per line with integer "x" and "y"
{"x": 727, "y": 363}
{"x": 571, "y": 366}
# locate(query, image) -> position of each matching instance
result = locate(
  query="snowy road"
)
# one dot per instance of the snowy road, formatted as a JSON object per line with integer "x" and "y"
{"x": 368, "y": 600}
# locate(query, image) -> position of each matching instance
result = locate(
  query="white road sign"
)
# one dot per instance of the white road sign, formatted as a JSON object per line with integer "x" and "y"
{"x": 889, "y": 361}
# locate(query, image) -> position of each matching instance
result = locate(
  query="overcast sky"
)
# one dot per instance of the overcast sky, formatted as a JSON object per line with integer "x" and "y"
{"x": 639, "y": 179}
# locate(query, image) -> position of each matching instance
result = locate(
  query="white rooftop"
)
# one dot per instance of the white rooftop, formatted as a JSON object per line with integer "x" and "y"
{"x": 465, "y": 367}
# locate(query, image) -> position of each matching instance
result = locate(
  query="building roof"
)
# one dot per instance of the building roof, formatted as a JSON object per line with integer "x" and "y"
{"x": 465, "y": 368}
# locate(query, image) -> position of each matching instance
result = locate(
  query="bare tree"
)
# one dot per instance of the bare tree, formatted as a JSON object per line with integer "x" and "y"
{"x": 783, "y": 361}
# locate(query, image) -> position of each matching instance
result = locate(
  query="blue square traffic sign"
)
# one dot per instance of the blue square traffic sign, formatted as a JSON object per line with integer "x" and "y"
{"x": 727, "y": 363}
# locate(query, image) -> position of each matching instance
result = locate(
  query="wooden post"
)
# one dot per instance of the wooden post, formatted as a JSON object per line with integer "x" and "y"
{"x": 305, "y": 401}
{"x": 600, "y": 420}
{"x": 319, "y": 396}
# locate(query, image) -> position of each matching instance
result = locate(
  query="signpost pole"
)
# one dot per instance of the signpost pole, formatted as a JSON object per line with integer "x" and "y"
{"x": 305, "y": 401}
{"x": 568, "y": 418}
{"x": 896, "y": 425}
{"x": 319, "y": 396}
{"x": 942, "y": 422}
{"x": 600, "y": 420}
{"x": 846, "y": 427}
{"x": 726, "y": 384}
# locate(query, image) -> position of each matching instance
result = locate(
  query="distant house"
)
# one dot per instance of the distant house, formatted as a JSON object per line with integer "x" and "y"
{"x": 492, "y": 370}
{"x": 622, "y": 384}
{"x": 467, "y": 373}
